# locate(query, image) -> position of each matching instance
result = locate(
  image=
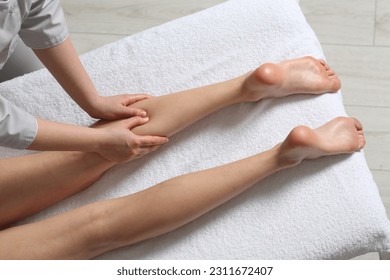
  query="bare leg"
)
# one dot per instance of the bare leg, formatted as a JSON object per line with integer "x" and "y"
{"x": 46, "y": 178}
{"x": 171, "y": 113}
{"x": 31, "y": 183}
{"x": 103, "y": 226}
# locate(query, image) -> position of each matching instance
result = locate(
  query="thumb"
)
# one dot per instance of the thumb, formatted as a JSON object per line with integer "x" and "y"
{"x": 136, "y": 121}
{"x": 132, "y": 111}
{"x": 133, "y": 98}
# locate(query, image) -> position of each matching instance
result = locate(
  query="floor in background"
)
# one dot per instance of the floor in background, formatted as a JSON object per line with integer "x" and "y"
{"x": 355, "y": 36}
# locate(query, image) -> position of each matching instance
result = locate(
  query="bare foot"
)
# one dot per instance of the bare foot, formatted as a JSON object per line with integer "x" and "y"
{"x": 305, "y": 75}
{"x": 341, "y": 135}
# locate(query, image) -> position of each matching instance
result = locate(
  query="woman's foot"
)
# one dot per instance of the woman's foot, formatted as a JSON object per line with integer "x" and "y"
{"x": 341, "y": 135}
{"x": 305, "y": 75}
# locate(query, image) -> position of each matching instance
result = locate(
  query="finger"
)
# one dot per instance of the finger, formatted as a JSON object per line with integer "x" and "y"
{"x": 132, "y": 98}
{"x": 135, "y": 121}
{"x": 132, "y": 111}
{"x": 152, "y": 140}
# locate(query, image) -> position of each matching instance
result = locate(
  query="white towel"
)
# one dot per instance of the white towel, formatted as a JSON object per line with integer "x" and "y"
{"x": 324, "y": 208}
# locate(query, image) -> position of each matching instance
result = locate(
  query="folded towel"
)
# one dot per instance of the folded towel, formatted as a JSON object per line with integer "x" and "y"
{"x": 322, "y": 209}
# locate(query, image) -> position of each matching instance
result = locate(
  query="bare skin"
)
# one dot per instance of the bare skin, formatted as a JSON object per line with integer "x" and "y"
{"x": 64, "y": 64}
{"x": 38, "y": 176}
{"x": 340, "y": 135}
{"x": 305, "y": 75}
{"x": 32, "y": 183}
{"x": 103, "y": 226}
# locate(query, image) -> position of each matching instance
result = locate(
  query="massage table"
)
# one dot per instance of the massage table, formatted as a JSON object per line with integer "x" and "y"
{"x": 328, "y": 208}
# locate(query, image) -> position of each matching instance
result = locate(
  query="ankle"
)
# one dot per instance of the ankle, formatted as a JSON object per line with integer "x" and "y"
{"x": 259, "y": 83}
{"x": 240, "y": 88}
{"x": 285, "y": 159}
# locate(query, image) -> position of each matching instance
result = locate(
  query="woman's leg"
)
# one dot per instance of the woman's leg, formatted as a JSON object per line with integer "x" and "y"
{"x": 32, "y": 183}
{"x": 96, "y": 228}
{"x": 170, "y": 113}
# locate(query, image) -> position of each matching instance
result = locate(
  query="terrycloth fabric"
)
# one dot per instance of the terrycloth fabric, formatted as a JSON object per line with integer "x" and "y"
{"x": 322, "y": 209}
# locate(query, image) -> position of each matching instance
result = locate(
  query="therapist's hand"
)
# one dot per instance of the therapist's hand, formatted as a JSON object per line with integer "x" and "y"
{"x": 113, "y": 140}
{"x": 119, "y": 144}
{"x": 117, "y": 106}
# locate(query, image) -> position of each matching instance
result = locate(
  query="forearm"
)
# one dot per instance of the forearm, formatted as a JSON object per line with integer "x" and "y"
{"x": 64, "y": 64}
{"x": 53, "y": 136}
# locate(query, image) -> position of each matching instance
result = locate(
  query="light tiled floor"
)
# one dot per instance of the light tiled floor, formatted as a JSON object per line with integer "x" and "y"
{"x": 382, "y": 20}
{"x": 355, "y": 35}
{"x": 96, "y": 22}
{"x": 349, "y": 22}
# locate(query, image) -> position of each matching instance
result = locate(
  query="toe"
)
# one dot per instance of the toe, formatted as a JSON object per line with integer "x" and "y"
{"x": 323, "y": 62}
{"x": 335, "y": 84}
{"x": 357, "y": 124}
{"x": 330, "y": 72}
{"x": 362, "y": 142}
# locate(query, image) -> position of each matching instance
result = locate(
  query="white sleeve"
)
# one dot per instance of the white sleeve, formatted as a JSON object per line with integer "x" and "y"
{"x": 17, "y": 127}
{"x": 44, "y": 26}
